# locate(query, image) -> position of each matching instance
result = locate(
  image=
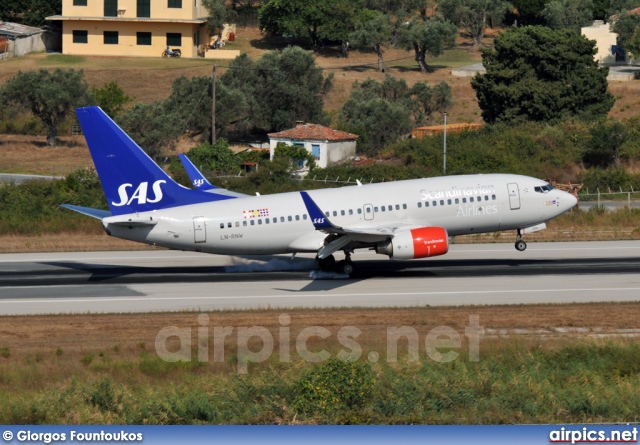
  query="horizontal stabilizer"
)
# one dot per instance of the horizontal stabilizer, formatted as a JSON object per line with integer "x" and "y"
{"x": 94, "y": 213}
{"x": 131, "y": 221}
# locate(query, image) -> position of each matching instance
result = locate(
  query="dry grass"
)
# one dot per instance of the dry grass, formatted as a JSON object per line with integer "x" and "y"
{"x": 30, "y": 154}
{"x": 125, "y": 335}
{"x": 67, "y": 242}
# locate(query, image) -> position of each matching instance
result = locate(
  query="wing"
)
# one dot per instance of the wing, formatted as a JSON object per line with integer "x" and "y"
{"x": 341, "y": 236}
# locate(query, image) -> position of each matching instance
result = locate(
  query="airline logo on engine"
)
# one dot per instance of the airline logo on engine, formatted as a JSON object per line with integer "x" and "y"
{"x": 140, "y": 193}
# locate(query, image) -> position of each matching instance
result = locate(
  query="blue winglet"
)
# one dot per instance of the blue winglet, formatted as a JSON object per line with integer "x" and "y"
{"x": 197, "y": 178}
{"x": 131, "y": 181}
{"x": 319, "y": 219}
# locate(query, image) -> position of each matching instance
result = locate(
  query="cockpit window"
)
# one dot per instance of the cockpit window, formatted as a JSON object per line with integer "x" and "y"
{"x": 544, "y": 189}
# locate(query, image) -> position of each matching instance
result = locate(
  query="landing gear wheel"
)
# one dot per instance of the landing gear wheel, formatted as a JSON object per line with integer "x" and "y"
{"x": 521, "y": 245}
{"x": 327, "y": 263}
{"x": 344, "y": 267}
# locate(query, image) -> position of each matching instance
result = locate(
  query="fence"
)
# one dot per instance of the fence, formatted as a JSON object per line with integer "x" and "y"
{"x": 613, "y": 196}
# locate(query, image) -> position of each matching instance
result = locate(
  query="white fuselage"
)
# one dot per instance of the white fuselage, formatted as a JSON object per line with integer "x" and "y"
{"x": 280, "y": 223}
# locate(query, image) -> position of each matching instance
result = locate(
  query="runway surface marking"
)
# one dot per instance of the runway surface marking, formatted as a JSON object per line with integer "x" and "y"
{"x": 298, "y": 295}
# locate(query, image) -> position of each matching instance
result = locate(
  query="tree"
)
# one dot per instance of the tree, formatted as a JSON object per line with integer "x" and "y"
{"x": 373, "y": 33}
{"x": 40, "y": 9}
{"x": 474, "y": 15}
{"x": 621, "y": 6}
{"x": 627, "y": 26}
{"x": 51, "y": 96}
{"x": 217, "y": 157}
{"x": 281, "y": 87}
{"x": 528, "y": 12}
{"x": 572, "y": 14}
{"x": 537, "y": 74}
{"x": 111, "y": 98}
{"x": 607, "y": 138}
{"x": 191, "y": 100}
{"x": 382, "y": 112}
{"x": 424, "y": 37}
{"x": 152, "y": 126}
{"x": 10, "y": 9}
{"x": 300, "y": 18}
{"x": 219, "y": 14}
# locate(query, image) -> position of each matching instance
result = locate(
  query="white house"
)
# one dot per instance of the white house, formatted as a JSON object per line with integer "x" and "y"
{"x": 328, "y": 146}
{"x": 606, "y": 41}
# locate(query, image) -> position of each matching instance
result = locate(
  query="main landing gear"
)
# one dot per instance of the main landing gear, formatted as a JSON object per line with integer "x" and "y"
{"x": 521, "y": 245}
{"x": 329, "y": 264}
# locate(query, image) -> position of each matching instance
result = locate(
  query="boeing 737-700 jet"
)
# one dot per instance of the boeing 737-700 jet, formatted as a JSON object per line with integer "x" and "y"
{"x": 402, "y": 219}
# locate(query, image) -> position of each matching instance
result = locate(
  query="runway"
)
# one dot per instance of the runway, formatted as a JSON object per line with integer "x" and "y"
{"x": 160, "y": 280}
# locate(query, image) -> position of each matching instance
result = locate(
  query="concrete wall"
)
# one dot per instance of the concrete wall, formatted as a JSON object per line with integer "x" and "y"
{"x": 127, "y": 38}
{"x": 601, "y": 33}
{"x": 331, "y": 153}
{"x": 190, "y": 9}
{"x": 25, "y": 45}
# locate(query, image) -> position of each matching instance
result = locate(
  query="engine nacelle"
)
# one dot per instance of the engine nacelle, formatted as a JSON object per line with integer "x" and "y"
{"x": 423, "y": 242}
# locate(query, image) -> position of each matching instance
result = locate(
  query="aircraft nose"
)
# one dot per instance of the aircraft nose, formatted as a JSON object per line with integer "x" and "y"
{"x": 571, "y": 200}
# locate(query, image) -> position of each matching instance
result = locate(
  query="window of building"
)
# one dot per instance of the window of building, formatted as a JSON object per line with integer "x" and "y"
{"x": 174, "y": 39}
{"x": 144, "y": 8}
{"x": 79, "y": 2}
{"x": 315, "y": 151}
{"x": 111, "y": 8}
{"x": 111, "y": 37}
{"x": 144, "y": 38}
{"x": 175, "y": 4}
{"x": 80, "y": 36}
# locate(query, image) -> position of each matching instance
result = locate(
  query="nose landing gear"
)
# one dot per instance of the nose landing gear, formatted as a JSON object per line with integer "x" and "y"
{"x": 521, "y": 245}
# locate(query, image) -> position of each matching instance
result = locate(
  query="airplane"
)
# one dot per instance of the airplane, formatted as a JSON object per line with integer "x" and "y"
{"x": 402, "y": 219}
{"x": 200, "y": 182}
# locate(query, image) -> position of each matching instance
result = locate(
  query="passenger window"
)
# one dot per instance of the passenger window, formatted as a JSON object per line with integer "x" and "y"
{"x": 368, "y": 209}
{"x": 398, "y": 207}
{"x": 244, "y": 223}
{"x": 457, "y": 201}
{"x": 426, "y": 203}
{"x": 260, "y": 222}
{"x": 342, "y": 212}
{"x": 275, "y": 220}
{"x": 486, "y": 198}
{"x": 375, "y": 209}
{"x": 383, "y": 208}
{"x": 471, "y": 199}
{"x": 304, "y": 216}
{"x": 282, "y": 219}
{"x": 449, "y": 201}
{"x": 493, "y": 197}
{"x": 229, "y": 225}
{"x": 420, "y": 205}
{"x": 442, "y": 202}
{"x": 434, "y": 203}
{"x": 297, "y": 217}
{"x": 350, "y": 211}
{"x": 237, "y": 224}
{"x": 253, "y": 222}
{"x": 266, "y": 220}
{"x": 326, "y": 214}
{"x": 464, "y": 200}
{"x": 359, "y": 211}
{"x": 289, "y": 218}
{"x": 335, "y": 213}
{"x": 222, "y": 225}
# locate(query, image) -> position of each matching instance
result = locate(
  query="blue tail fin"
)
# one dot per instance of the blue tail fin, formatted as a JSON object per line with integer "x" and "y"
{"x": 197, "y": 178}
{"x": 131, "y": 181}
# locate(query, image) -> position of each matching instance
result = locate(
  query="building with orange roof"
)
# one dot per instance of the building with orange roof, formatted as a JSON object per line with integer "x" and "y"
{"x": 328, "y": 146}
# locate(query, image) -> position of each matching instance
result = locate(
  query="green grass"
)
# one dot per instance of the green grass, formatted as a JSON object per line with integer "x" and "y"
{"x": 514, "y": 382}
{"x": 62, "y": 60}
{"x": 452, "y": 58}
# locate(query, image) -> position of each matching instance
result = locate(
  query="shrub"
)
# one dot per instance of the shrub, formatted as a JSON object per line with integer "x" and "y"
{"x": 333, "y": 386}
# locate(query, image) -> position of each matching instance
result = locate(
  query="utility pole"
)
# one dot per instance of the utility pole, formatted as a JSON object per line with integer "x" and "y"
{"x": 213, "y": 107}
{"x": 445, "y": 143}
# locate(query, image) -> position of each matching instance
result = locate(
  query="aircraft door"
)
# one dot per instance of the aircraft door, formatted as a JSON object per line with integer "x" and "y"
{"x": 514, "y": 196}
{"x": 199, "y": 230}
{"x": 368, "y": 212}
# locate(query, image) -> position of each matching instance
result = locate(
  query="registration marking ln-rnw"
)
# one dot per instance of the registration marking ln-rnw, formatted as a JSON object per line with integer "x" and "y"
{"x": 299, "y": 295}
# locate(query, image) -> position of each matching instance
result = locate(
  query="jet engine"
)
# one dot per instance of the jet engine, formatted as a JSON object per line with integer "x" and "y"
{"x": 422, "y": 242}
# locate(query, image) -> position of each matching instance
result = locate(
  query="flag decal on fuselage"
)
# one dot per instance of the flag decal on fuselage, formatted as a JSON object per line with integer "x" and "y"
{"x": 257, "y": 213}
